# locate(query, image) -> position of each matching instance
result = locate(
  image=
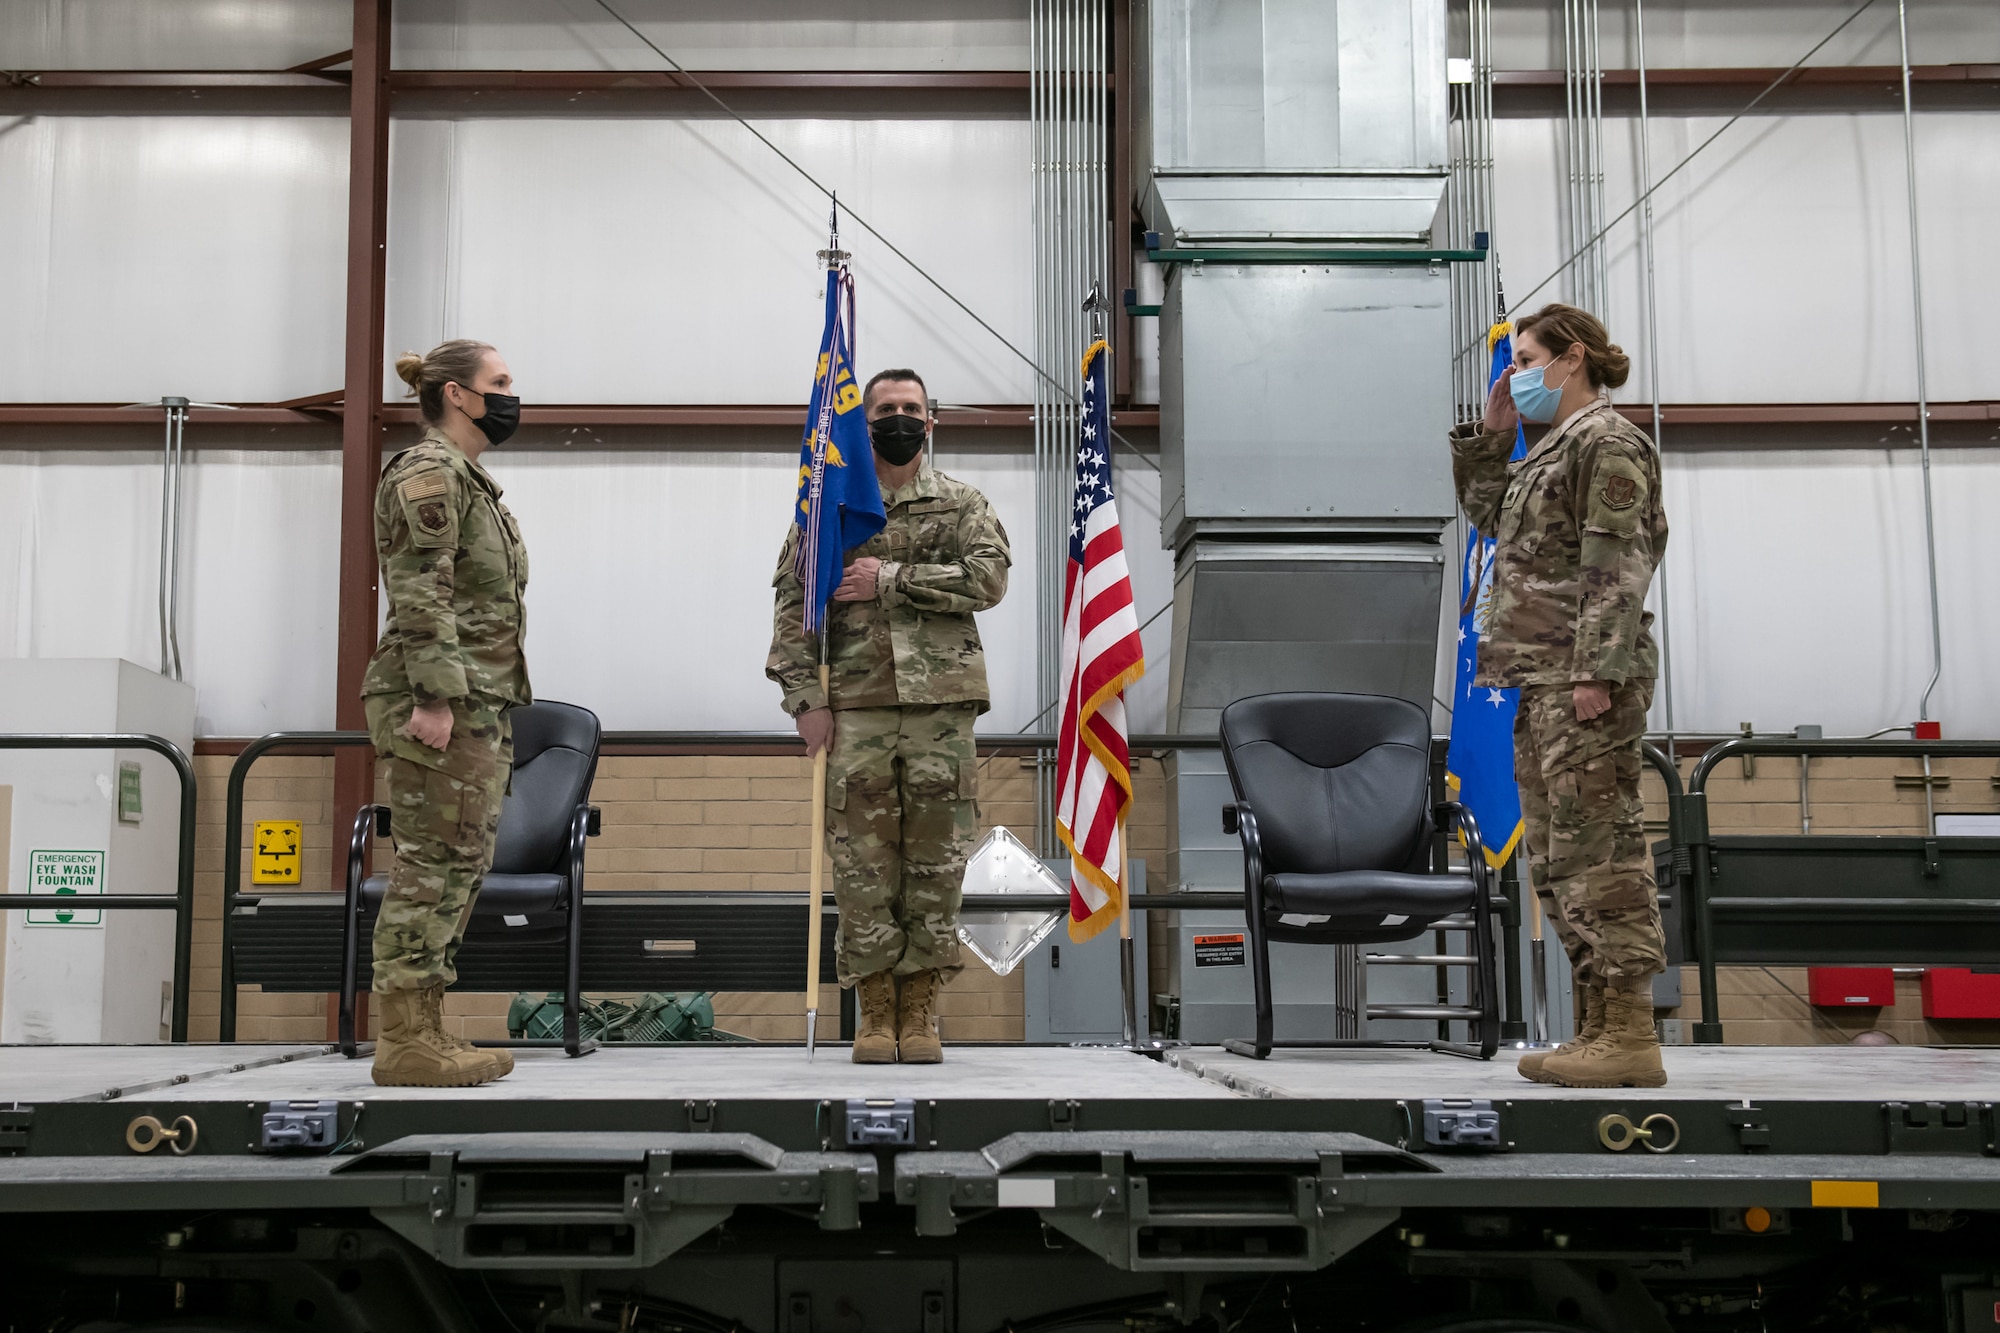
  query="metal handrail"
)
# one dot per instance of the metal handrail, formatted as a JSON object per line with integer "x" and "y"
{"x": 1834, "y": 748}
{"x": 232, "y": 845}
{"x": 1695, "y": 807}
{"x": 990, "y": 743}
{"x": 232, "y": 864}
{"x": 182, "y": 901}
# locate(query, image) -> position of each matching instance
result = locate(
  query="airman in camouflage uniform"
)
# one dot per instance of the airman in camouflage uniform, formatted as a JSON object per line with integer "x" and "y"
{"x": 454, "y": 568}
{"x": 908, "y": 677}
{"x": 1580, "y": 529}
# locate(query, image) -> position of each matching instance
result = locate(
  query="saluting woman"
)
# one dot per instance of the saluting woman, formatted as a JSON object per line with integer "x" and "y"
{"x": 1580, "y": 530}
{"x": 447, "y": 669}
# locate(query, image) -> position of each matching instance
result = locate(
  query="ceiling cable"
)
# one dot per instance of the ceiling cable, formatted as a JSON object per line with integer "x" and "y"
{"x": 863, "y": 223}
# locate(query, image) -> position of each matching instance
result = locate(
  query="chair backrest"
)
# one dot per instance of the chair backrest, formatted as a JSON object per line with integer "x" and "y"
{"x": 1336, "y": 781}
{"x": 555, "y": 759}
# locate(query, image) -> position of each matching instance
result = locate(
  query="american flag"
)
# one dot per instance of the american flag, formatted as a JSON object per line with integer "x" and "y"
{"x": 1101, "y": 655}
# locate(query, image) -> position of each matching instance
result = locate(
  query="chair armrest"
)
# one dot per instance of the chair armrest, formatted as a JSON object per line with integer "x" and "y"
{"x": 1455, "y": 817}
{"x": 1229, "y": 819}
{"x": 1244, "y": 820}
{"x": 381, "y": 821}
{"x": 593, "y": 822}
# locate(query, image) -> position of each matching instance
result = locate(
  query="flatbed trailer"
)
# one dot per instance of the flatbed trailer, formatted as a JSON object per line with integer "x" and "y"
{"x": 1013, "y": 1187}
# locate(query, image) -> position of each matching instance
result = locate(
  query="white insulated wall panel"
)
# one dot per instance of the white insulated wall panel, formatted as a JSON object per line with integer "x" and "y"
{"x": 1781, "y": 254}
{"x": 713, "y": 34}
{"x": 200, "y": 256}
{"x": 171, "y": 34}
{"x": 1796, "y": 582}
{"x": 640, "y": 261}
{"x": 79, "y": 574}
{"x": 1798, "y": 591}
{"x": 651, "y": 594}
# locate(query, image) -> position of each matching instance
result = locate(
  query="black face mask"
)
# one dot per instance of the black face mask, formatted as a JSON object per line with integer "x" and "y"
{"x": 502, "y": 419}
{"x": 897, "y": 439}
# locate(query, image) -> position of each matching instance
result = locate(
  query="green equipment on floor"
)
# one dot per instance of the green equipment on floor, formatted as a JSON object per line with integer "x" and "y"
{"x": 657, "y": 1016}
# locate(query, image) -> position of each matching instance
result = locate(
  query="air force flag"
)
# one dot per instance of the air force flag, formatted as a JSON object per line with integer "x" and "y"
{"x": 839, "y": 501}
{"x": 1480, "y": 762}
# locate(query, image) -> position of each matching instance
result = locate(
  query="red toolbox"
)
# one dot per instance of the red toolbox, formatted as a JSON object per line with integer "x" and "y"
{"x": 1959, "y": 992}
{"x": 1852, "y": 987}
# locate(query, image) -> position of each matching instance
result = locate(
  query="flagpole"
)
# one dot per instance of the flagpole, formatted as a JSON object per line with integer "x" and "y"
{"x": 833, "y": 257}
{"x": 815, "y": 922}
{"x": 1094, "y": 309}
{"x": 1127, "y": 964}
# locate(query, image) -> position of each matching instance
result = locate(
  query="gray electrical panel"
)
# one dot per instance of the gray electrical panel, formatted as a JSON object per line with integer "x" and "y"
{"x": 1073, "y": 992}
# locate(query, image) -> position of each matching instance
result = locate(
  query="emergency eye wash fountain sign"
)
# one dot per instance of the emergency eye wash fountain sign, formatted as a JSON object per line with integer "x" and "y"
{"x": 80, "y": 873}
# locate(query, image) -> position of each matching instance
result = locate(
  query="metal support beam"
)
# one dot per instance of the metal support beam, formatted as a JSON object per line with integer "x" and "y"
{"x": 361, "y": 429}
{"x": 542, "y": 92}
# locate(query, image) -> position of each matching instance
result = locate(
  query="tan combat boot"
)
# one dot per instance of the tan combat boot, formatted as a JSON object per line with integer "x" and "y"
{"x": 1626, "y": 1054}
{"x": 916, "y": 1020}
{"x": 1589, "y": 1030}
{"x": 434, "y": 1010}
{"x": 875, "y": 1042}
{"x": 412, "y": 1052}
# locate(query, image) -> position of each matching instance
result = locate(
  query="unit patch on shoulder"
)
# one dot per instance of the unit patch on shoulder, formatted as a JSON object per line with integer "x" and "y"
{"x": 1620, "y": 491}
{"x": 432, "y": 516}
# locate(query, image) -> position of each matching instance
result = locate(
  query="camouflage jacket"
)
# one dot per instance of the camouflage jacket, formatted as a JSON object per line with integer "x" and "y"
{"x": 1581, "y": 530}
{"x": 454, "y": 568}
{"x": 944, "y": 556}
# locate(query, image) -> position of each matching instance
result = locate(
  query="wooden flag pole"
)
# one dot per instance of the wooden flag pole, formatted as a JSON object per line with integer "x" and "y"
{"x": 814, "y": 922}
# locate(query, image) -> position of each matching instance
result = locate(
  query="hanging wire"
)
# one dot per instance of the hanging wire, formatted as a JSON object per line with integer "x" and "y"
{"x": 863, "y": 223}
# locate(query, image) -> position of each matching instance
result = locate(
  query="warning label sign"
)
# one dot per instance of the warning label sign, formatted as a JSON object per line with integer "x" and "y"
{"x": 80, "y": 873}
{"x": 1218, "y": 950}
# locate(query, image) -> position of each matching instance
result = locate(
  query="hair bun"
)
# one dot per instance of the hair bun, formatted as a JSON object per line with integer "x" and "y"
{"x": 410, "y": 369}
{"x": 1614, "y": 367}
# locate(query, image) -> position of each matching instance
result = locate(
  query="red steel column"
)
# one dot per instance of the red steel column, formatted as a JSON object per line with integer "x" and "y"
{"x": 361, "y": 420}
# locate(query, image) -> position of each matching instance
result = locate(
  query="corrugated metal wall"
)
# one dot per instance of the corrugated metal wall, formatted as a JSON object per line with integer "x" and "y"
{"x": 637, "y": 260}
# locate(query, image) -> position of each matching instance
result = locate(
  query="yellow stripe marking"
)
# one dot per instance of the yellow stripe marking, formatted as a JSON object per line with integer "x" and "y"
{"x": 1846, "y": 1194}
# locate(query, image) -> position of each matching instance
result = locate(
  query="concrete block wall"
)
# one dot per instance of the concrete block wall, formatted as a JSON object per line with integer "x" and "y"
{"x": 739, "y": 822}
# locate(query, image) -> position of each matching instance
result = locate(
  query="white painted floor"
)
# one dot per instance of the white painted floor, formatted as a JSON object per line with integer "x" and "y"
{"x": 265, "y": 1073}
{"x": 1703, "y": 1073}
{"x": 773, "y": 1073}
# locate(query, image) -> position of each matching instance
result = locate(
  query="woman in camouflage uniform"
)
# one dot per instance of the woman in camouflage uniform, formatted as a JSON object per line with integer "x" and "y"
{"x": 1580, "y": 531}
{"x": 447, "y": 669}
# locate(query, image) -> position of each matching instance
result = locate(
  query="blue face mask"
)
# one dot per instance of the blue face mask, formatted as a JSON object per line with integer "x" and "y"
{"x": 1534, "y": 400}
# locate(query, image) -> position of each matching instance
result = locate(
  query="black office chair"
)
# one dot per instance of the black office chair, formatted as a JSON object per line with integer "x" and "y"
{"x": 1338, "y": 824}
{"x": 535, "y": 889}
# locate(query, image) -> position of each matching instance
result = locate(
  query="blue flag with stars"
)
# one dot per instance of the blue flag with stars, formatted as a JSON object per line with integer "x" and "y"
{"x": 839, "y": 501}
{"x": 1480, "y": 762}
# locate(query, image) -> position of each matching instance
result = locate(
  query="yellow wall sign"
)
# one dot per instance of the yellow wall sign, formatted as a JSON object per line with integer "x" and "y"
{"x": 279, "y": 851}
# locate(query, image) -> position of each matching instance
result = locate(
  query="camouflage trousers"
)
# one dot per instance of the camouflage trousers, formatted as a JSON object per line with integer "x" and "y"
{"x": 901, "y": 820}
{"x": 1587, "y": 851}
{"x": 444, "y": 812}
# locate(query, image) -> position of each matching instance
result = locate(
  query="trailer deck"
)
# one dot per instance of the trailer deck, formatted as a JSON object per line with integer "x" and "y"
{"x": 716, "y": 1178}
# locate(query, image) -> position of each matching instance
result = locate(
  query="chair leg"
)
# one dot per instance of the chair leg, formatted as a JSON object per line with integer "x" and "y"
{"x": 1486, "y": 972}
{"x": 1260, "y": 971}
{"x": 350, "y": 942}
{"x": 573, "y": 976}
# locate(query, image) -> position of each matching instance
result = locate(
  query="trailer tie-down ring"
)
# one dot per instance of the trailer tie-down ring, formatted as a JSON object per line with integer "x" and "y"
{"x": 147, "y": 1133}
{"x": 1659, "y": 1131}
